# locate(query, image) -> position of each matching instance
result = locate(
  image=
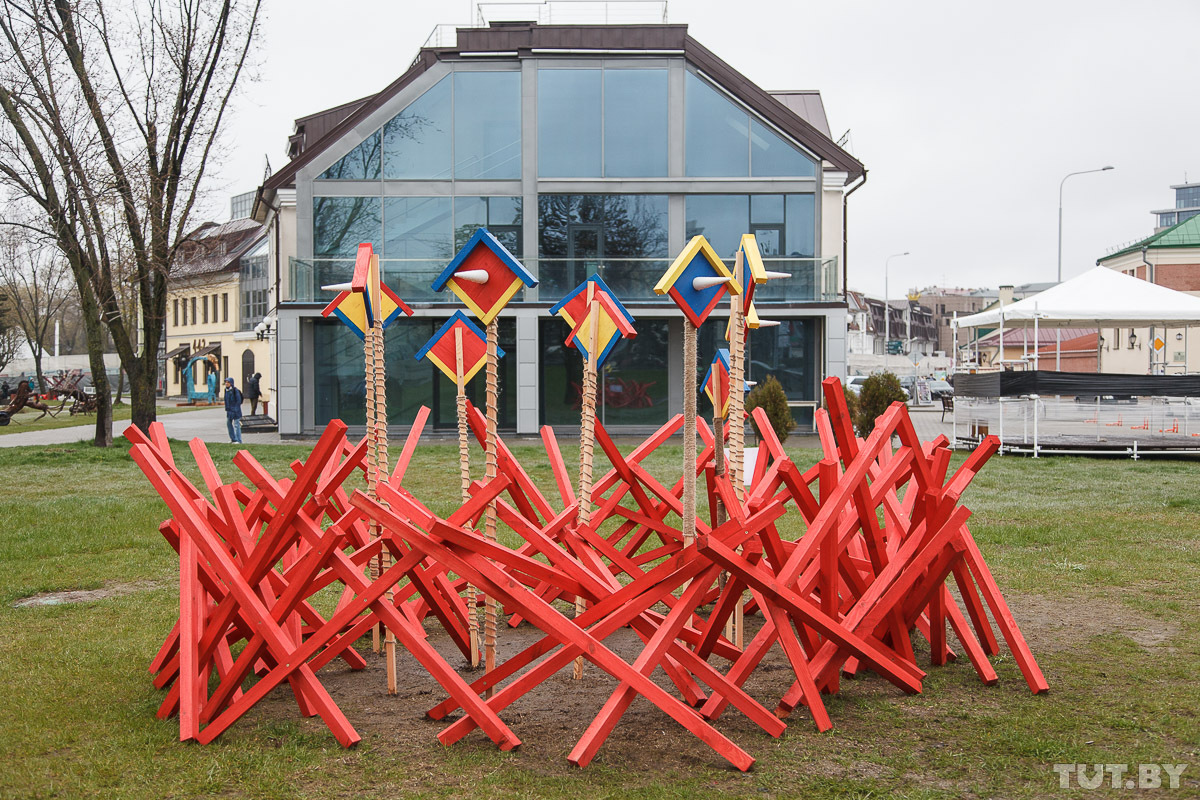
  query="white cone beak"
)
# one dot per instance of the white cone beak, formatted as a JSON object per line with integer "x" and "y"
{"x": 768, "y": 323}
{"x": 700, "y": 284}
{"x": 472, "y": 275}
{"x": 337, "y": 287}
{"x": 771, "y": 276}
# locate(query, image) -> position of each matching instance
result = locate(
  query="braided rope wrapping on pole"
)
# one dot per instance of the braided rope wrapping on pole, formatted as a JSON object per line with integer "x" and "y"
{"x": 489, "y": 473}
{"x": 689, "y": 433}
{"x": 372, "y": 464}
{"x": 381, "y": 468}
{"x": 737, "y": 419}
{"x": 464, "y": 473}
{"x": 718, "y": 425}
{"x": 587, "y": 440}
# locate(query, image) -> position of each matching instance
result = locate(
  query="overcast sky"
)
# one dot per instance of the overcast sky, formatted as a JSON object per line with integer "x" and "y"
{"x": 966, "y": 114}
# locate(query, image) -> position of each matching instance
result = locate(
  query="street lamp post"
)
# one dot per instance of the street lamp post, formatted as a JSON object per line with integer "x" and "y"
{"x": 1060, "y": 196}
{"x": 887, "y": 308}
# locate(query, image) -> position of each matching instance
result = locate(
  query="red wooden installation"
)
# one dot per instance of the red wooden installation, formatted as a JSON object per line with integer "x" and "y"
{"x": 883, "y": 533}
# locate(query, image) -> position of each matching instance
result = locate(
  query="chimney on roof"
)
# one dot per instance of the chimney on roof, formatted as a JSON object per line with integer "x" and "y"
{"x": 1006, "y": 294}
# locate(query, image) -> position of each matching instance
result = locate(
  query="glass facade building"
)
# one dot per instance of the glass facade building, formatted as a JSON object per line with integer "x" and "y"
{"x": 581, "y": 164}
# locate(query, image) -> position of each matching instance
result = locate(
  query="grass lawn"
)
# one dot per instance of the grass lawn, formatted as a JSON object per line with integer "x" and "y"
{"x": 1099, "y": 559}
{"x": 24, "y": 421}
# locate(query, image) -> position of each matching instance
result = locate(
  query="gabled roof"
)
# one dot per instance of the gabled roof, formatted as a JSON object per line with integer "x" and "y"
{"x": 313, "y": 128}
{"x": 528, "y": 40}
{"x": 211, "y": 249}
{"x": 1183, "y": 234}
{"x": 807, "y": 104}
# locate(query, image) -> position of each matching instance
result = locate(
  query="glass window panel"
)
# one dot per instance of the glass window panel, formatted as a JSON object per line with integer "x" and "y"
{"x": 361, "y": 163}
{"x": 789, "y": 352}
{"x": 417, "y": 227}
{"x": 500, "y": 215}
{"x": 801, "y": 225}
{"x": 766, "y": 208}
{"x": 722, "y": 218}
{"x": 635, "y": 377}
{"x": 579, "y": 235}
{"x": 339, "y": 391}
{"x": 569, "y": 123}
{"x": 416, "y": 142}
{"x": 340, "y": 224}
{"x": 487, "y": 125}
{"x": 771, "y": 156}
{"x": 716, "y": 131}
{"x": 635, "y": 123}
{"x": 418, "y": 241}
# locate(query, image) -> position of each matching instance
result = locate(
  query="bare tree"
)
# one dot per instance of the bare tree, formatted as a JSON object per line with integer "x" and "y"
{"x": 38, "y": 283}
{"x": 10, "y": 334}
{"x": 109, "y": 106}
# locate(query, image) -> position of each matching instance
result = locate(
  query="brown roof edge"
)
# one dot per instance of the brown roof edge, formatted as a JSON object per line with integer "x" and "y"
{"x": 287, "y": 173}
{"x": 587, "y": 37}
{"x": 772, "y": 109}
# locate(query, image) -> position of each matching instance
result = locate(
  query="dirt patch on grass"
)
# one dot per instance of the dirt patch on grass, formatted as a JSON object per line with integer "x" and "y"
{"x": 549, "y": 720}
{"x": 647, "y": 746}
{"x": 1053, "y": 624}
{"x": 84, "y": 595}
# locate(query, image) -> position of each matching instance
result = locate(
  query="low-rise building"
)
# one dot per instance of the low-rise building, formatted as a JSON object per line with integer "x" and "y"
{"x": 218, "y": 292}
{"x": 586, "y": 149}
{"x": 1171, "y": 258}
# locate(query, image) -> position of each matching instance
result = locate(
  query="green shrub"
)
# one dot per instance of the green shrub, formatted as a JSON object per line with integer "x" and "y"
{"x": 769, "y": 395}
{"x": 878, "y": 392}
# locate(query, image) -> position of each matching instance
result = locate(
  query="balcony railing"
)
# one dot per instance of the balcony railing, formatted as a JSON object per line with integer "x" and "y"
{"x": 631, "y": 279}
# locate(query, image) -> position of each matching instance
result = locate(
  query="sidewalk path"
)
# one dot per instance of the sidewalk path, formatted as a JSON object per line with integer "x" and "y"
{"x": 209, "y": 425}
{"x": 206, "y": 423}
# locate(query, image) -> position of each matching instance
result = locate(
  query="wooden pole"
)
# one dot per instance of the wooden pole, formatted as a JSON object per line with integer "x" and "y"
{"x": 377, "y": 453}
{"x": 464, "y": 471}
{"x": 489, "y": 473}
{"x": 381, "y": 466}
{"x": 689, "y": 433}
{"x": 718, "y": 425}
{"x": 587, "y": 436}
{"x": 737, "y": 413}
{"x": 372, "y": 465}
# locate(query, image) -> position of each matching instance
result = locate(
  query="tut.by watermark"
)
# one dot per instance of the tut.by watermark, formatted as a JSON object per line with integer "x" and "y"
{"x": 1120, "y": 776}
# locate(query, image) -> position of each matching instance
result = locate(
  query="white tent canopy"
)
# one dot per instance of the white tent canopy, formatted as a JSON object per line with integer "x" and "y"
{"x": 1097, "y": 298}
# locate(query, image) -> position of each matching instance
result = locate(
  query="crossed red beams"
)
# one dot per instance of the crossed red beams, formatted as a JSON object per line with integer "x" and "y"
{"x": 846, "y": 595}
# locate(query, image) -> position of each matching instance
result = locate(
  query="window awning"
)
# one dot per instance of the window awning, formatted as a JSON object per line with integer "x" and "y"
{"x": 203, "y": 351}
{"x": 178, "y": 351}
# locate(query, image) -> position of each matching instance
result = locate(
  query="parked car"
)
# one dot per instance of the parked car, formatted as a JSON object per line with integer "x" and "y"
{"x": 940, "y": 388}
{"x": 857, "y": 381}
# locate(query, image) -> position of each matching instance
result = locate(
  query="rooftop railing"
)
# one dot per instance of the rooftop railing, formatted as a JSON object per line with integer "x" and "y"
{"x": 556, "y": 12}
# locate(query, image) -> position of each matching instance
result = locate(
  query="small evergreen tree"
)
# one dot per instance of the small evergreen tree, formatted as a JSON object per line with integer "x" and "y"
{"x": 878, "y": 392}
{"x": 769, "y": 395}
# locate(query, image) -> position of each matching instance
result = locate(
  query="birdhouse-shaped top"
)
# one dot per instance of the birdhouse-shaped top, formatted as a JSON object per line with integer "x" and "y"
{"x": 753, "y": 271}
{"x": 443, "y": 348}
{"x": 697, "y": 280}
{"x": 716, "y": 382}
{"x": 484, "y": 275}
{"x": 613, "y": 321}
{"x": 365, "y": 298}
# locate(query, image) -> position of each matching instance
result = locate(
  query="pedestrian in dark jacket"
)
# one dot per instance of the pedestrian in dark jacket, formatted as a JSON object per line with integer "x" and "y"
{"x": 233, "y": 411}
{"x": 254, "y": 391}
